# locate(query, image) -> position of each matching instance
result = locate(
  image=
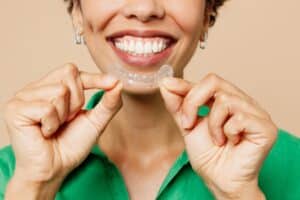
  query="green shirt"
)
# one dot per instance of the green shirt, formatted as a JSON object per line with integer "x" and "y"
{"x": 98, "y": 178}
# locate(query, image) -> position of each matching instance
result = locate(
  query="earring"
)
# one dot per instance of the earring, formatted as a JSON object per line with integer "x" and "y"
{"x": 79, "y": 39}
{"x": 202, "y": 44}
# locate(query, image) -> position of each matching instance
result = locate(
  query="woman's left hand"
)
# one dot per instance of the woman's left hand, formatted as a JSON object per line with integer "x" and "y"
{"x": 227, "y": 147}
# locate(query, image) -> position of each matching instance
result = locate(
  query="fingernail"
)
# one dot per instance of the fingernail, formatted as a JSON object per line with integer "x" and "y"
{"x": 203, "y": 111}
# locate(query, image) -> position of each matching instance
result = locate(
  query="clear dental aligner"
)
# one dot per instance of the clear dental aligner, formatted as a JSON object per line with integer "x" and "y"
{"x": 147, "y": 80}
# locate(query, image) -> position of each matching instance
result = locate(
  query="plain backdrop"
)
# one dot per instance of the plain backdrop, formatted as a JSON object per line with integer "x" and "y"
{"x": 254, "y": 44}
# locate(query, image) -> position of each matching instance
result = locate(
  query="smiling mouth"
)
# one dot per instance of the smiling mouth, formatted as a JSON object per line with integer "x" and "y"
{"x": 142, "y": 49}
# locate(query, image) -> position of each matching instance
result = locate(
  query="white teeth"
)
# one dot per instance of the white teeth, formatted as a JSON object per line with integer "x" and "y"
{"x": 131, "y": 47}
{"x": 125, "y": 45}
{"x": 160, "y": 45}
{"x": 141, "y": 46}
{"x": 148, "y": 48}
{"x": 155, "y": 47}
{"x": 118, "y": 45}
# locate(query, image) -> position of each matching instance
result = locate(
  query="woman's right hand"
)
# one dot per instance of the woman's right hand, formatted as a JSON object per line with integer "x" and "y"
{"x": 50, "y": 133}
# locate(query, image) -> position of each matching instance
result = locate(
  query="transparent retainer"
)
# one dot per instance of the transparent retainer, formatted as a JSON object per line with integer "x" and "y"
{"x": 145, "y": 80}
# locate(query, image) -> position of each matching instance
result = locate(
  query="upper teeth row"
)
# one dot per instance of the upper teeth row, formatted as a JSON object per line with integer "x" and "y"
{"x": 141, "y": 46}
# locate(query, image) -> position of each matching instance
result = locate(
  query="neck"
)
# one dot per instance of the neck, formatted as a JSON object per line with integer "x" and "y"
{"x": 142, "y": 125}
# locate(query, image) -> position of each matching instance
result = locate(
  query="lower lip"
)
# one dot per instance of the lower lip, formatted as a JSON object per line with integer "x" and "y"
{"x": 143, "y": 61}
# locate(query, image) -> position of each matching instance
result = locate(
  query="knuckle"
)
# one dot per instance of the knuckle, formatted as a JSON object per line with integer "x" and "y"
{"x": 230, "y": 131}
{"x": 227, "y": 129}
{"x": 62, "y": 90}
{"x": 70, "y": 69}
{"x": 213, "y": 78}
{"x": 222, "y": 96}
{"x": 244, "y": 105}
{"x": 240, "y": 116}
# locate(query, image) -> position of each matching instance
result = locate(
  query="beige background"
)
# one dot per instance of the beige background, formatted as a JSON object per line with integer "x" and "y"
{"x": 255, "y": 44}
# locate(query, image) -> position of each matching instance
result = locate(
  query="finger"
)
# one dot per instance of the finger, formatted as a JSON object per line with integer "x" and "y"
{"x": 172, "y": 101}
{"x": 224, "y": 106}
{"x": 203, "y": 92}
{"x": 87, "y": 127}
{"x": 69, "y": 76}
{"x": 97, "y": 81}
{"x": 77, "y": 82}
{"x": 73, "y": 82}
{"x": 83, "y": 81}
{"x": 89, "y": 80}
{"x": 57, "y": 94}
{"x": 172, "y": 91}
{"x": 110, "y": 103}
{"x": 176, "y": 85}
{"x": 35, "y": 113}
{"x": 251, "y": 128}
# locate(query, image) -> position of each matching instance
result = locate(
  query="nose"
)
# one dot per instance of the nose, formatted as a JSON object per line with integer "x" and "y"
{"x": 143, "y": 10}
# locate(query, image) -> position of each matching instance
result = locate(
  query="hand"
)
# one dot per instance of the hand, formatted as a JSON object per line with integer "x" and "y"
{"x": 227, "y": 147}
{"x": 49, "y": 131}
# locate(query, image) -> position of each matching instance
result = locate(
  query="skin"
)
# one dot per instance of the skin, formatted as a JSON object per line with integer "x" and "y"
{"x": 46, "y": 117}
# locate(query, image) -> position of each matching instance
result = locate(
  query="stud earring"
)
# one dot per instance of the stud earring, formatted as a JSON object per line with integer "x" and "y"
{"x": 202, "y": 44}
{"x": 78, "y": 38}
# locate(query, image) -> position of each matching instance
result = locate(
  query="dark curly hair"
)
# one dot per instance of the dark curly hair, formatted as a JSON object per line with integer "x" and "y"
{"x": 212, "y": 7}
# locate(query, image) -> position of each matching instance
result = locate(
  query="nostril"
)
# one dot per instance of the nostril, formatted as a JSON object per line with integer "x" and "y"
{"x": 143, "y": 18}
{"x": 143, "y": 10}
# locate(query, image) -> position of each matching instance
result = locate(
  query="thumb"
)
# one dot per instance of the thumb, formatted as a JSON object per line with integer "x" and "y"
{"x": 173, "y": 91}
{"x": 108, "y": 106}
{"x": 81, "y": 133}
{"x": 86, "y": 128}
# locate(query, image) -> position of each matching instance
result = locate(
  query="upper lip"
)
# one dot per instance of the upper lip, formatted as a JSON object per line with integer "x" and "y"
{"x": 142, "y": 33}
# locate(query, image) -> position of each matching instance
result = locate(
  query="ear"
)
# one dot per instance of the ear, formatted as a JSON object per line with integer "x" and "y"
{"x": 77, "y": 18}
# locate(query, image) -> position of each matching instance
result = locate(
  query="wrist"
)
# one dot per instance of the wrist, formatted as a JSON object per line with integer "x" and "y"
{"x": 21, "y": 188}
{"x": 246, "y": 192}
{"x": 257, "y": 195}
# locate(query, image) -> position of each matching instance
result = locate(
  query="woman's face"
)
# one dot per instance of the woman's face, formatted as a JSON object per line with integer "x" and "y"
{"x": 141, "y": 35}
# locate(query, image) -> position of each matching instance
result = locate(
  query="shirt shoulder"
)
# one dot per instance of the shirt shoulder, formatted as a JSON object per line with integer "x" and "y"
{"x": 7, "y": 165}
{"x": 279, "y": 176}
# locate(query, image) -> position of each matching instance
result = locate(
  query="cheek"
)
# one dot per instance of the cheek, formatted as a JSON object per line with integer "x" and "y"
{"x": 188, "y": 14}
{"x": 96, "y": 13}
